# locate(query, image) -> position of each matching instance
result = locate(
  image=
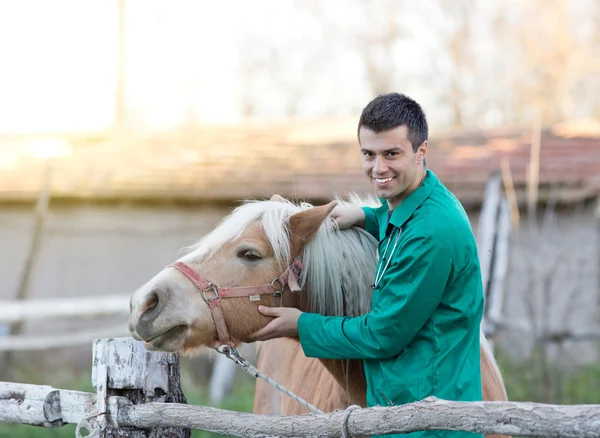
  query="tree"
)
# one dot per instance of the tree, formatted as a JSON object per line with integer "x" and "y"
{"x": 545, "y": 62}
{"x": 457, "y": 42}
{"x": 120, "y": 106}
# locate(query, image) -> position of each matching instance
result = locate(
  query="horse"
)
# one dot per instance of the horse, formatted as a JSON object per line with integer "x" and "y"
{"x": 274, "y": 252}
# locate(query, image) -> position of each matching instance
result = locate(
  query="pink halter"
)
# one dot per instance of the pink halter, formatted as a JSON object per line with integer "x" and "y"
{"x": 213, "y": 293}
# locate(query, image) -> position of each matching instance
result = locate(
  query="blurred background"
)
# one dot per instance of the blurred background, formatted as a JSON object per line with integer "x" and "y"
{"x": 129, "y": 128}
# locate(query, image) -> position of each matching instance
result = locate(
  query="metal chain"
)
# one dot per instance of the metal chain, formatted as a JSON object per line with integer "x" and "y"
{"x": 232, "y": 353}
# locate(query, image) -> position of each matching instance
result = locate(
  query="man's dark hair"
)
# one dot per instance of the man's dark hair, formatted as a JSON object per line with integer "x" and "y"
{"x": 388, "y": 111}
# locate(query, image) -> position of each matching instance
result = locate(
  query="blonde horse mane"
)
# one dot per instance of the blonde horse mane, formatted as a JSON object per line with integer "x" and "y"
{"x": 339, "y": 265}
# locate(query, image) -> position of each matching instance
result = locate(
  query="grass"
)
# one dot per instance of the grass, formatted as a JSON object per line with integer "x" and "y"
{"x": 543, "y": 382}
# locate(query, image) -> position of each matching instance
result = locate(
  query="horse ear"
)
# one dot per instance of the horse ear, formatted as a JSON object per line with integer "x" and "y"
{"x": 277, "y": 198}
{"x": 305, "y": 224}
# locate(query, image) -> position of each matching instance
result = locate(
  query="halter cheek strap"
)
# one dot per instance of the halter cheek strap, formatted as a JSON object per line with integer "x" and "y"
{"x": 213, "y": 293}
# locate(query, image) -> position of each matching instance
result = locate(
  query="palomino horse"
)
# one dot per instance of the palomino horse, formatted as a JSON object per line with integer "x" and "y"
{"x": 272, "y": 253}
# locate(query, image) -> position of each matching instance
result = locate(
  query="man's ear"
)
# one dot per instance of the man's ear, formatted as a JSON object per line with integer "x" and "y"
{"x": 304, "y": 225}
{"x": 422, "y": 151}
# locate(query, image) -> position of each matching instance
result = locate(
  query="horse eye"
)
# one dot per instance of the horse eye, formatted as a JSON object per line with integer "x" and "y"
{"x": 250, "y": 255}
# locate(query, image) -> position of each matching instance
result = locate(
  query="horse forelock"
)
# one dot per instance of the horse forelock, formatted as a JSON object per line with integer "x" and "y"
{"x": 233, "y": 226}
{"x": 338, "y": 265}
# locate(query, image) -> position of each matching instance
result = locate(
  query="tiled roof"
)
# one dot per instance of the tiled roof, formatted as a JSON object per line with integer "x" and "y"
{"x": 307, "y": 160}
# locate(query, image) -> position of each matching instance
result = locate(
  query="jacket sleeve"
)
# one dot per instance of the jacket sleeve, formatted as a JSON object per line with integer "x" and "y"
{"x": 371, "y": 222}
{"x": 409, "y": 293}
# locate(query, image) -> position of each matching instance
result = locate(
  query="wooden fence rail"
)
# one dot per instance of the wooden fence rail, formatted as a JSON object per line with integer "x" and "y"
{"x": 35, "y": 309}
{"x": 139, "y": 390}
{"x": 46, "y": 342}
{"x": 19, "y": 311}
{"x": 38, "y": 406}
{"x": 526, "y": 419}
{"x": 43, "y": 405}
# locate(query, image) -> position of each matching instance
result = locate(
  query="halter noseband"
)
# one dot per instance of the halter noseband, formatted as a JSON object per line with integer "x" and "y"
{"x": 212, "y": 293}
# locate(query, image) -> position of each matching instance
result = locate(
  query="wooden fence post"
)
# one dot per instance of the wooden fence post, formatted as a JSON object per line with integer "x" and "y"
{"x": 492, "y": 246}
{"x": 123, "y": 367}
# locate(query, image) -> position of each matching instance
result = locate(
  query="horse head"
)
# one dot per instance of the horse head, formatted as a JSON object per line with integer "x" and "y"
{"x": 266, "y": 252}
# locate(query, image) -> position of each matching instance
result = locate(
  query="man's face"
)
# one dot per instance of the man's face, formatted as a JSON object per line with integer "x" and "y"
{"x": 390, "y": 163}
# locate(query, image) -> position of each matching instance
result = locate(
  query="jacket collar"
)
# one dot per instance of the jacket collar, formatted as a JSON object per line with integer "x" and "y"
{"x": 405, "y": 210}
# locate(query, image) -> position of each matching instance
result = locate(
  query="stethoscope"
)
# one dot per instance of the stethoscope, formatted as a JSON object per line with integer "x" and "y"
{"x": 380, "y": 267}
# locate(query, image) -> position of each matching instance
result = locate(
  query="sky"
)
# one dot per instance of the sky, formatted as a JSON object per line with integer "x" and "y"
{"x": 59, "y": 62}
{"x": 185, "y": 60}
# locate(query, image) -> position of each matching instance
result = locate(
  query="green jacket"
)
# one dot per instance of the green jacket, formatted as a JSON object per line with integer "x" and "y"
{"x": 421, "y": 337}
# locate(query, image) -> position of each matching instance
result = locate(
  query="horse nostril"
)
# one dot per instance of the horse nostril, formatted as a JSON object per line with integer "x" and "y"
{"x": 150, "y": 306}
{"x": 152, "y": 301}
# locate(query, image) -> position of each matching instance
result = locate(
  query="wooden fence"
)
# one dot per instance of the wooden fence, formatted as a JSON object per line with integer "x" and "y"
{"x": 19, "y": 311}
{"x": 139, "y": 391}
{"x": 499, "y": 216}
{"x": 223, "y": 370}
{"x": 493, "y": 235}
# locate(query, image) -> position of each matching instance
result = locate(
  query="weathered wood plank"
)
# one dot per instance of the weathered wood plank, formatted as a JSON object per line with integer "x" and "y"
{"x": 499, "y": 270}
{"x": 525, "y": 419}
{"x": 32, "y": 309}
{"x": 43, "y": 405}
{"x": 48, "y": 407}
{"x": 58, "y": 340}
{"x": 123, "y": 367}
{"x": 486, "y": 231}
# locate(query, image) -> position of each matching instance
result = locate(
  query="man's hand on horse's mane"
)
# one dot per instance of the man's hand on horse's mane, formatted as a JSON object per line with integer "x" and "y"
{"x": 284, "y": 323}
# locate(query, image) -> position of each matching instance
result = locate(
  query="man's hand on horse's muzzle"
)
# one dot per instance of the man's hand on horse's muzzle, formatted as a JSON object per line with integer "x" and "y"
{"x": 284, "y": 323}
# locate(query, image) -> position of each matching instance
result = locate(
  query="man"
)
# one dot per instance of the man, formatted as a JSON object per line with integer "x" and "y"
{"x": 421, "y": 337}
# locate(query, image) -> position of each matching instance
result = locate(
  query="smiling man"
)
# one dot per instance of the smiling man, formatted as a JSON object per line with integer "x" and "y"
{"x": 421, "y": 337}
